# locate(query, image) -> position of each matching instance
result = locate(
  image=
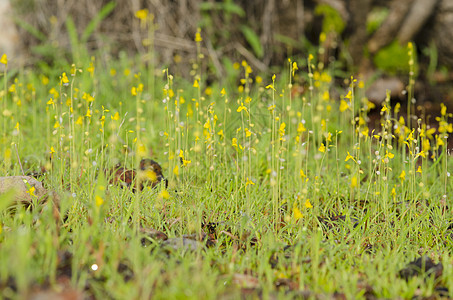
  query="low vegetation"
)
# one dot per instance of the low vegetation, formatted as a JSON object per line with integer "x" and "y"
{"x": 273, "y": 188}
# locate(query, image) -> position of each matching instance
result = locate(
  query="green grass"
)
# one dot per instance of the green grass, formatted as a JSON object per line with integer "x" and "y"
{"x": 272, "y": 170}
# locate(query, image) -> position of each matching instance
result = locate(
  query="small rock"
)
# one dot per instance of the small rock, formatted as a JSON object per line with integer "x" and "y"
{"x": 126, "y": 271}
{"x": 376, "y": 93}
{"x": 24, "y": 187}
{"x": 151, "y": 234}
{"x": 182, "y": 244}
{"x": 422, "y": 265}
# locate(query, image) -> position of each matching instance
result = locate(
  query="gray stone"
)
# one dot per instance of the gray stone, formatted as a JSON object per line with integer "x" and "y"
{"x": 21, "y": 186}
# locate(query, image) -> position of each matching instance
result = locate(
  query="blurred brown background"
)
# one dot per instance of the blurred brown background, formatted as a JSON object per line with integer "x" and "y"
{"x": 262, "y": 32}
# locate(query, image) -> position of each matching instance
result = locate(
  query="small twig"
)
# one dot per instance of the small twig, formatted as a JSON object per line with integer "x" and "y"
{"x": 419, "y": 13}
{"x": 18, "y": 158}
{"x": 215, "y": 58}
{"x": 119, "y": 128}
{"x": 230, "y": 235}
{"x": 250, "y": 57}
{"x": 171, "y": 42}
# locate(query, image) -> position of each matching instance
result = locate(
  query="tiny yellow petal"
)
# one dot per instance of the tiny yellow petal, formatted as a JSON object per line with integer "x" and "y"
{"x": 297, "y": 214}
{"x": 4, "y": 59}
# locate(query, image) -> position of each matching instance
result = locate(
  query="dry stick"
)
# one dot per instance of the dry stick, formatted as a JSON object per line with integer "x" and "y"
{"x": 266, "y": 35}
{"x": 420, "y": 11}
{"x": 214, "y": 58}
{"x": 387, "y": 31}
{"x": 250, "y": 57}
{"x": 359, "y": 10}
{"x": 18, "y": 158}
{"x": 300, "y": 17}
{"x": 167, "y": 41}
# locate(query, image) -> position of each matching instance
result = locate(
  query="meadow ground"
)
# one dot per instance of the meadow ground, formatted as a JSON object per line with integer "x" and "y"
{"x": 275, "y": 188}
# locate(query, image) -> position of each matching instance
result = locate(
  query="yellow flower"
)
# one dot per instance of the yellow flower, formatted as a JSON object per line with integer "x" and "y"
{"x": 248, "y": 133}
{"x": 322, "y": 148}
{"x": 45, "y": 80}
{"x": 419, "y": 170}
{"x": 349, "y": 156}
{"x": 176, "y": 170}
{"x": 397, "y": 108}
{"x": 270, "y": 86}
{"x": 421, "y": 153}
{"x": 134, "y": 91}
{"x": 99, "y": 200}
{"x": 79, "y": 120}
{"x": 443, "y": 109}
{"x": 4, "y": 60}
{"x": 223, "y": 92}
{"x": 301, "y": 127}
{"x": 281, "y": 130}
{"x": 329, "y": 137}
{"x": 198, "y": 36}
{"x": 186, "y": 162}
{"x": 102, "y": 119}
{"x": 148, "y": 175}
{"x": 302, "y": 174}
{"x": 295, "y": 68}
{"x": 164, "y": 194}
{"x": 425, "y": 145}
{"x": 31, "y": 191}
{"x": 354, "y": 182}
{"x": 90, "y": 69}
{"x": 349, "y": 95}
{"x": 207, "y": 124}
{"x": 115, "y": 117}
{"x": 195, "y": 84}
{"x": 389, "y": 154}
{"x": 308, "y": 204}
{"x": 296, "y": 213}
{"x": 87, "y": 97}
{"x": 439, "y": 140}
{"x": 402, "y": 175}
{"x": 343, "y": 106}
{"x": 220, "y": 133}
{"x": 142, "y": 14}
{"x": 234, "y": 142}
{"x": 241, "y": 108}
{"x": 64, "y": 79}
{"x": 271, "y": 108}
{"x": 249, "y": 182}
